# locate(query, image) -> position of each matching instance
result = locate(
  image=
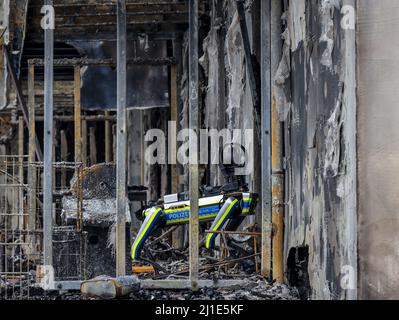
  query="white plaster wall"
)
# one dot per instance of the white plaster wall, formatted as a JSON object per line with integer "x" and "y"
{"x": 378, "y": 148}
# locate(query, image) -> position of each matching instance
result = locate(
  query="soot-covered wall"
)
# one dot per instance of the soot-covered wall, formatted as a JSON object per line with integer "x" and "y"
{"x": 316, "y": 98}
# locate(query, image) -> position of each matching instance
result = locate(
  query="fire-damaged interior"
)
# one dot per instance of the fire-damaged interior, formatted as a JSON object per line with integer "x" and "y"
{"x": 100, "y": 101}
{"x": 85, "y": 151}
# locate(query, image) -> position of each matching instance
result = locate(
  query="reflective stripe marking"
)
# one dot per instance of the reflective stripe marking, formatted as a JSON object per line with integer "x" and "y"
{"x": 219, "y": 223}
{"x": 246, "y": 203}
{"x": 147, "y": 225}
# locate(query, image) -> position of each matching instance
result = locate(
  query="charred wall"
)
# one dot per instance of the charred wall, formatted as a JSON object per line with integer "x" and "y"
{"x": 315, "y": 94}
{"x": 314, "y": 91}
{"x": 227, "y": 101}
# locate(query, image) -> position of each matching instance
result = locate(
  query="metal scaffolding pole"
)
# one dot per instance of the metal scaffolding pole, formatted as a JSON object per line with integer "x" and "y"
{"x": 48, "y": 143}
{"x": 266, "y": 138}
{"x": 193, "y": 123}
{"x": 121, "y": 142}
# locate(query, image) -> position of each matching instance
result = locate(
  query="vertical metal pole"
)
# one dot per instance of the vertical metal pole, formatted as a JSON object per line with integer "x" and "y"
{"x": 121, "y": 142}
{"x": 265, "y": 139}
{"x": 277, "y": 151}
{"x": 193, "y": 123}
{"x": 32, "y": 149}
{"x": 48, "y": 144}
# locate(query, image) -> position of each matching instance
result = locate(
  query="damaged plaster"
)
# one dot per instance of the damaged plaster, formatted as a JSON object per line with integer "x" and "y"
{"x": 320, "y": 142}
{"x": 327, "y": 33}
{"x": 281, "y": 79}
{"x": 210, "y": 64}
{"x": 5, "y": 38}
{"x": 333, "y": 141}
{"x": 235, "y": 68}
{"x": 297, "y": 23}
{"x": 4, "y": 21}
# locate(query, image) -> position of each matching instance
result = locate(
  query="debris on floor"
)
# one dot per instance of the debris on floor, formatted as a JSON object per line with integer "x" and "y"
{"x": 262, "y": 291}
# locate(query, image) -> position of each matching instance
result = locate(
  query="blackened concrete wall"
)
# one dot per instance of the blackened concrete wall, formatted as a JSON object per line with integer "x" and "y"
{"x": 315, "y": 93}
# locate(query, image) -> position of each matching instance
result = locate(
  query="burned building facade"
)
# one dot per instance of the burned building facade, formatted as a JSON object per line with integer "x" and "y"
{"x": 306, "y": 78}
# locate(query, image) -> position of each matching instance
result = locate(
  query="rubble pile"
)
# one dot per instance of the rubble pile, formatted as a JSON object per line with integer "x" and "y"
{"x": 262, "y": 291}
{"x": 173, "y": 263}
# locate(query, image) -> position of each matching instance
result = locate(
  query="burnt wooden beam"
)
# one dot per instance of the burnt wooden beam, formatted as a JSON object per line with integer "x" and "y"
{"x": 71, "y": 62}
{"x": 96, "y": 20}
{"x": 95, "y": 118}
{"x": 93, "y": 145}
{"x": 77, "y": 117}
{"x": 108, "y": 138}
{"x": 84, "y": 141}
{"x": 145, "y": 8}
{"x": 160, "y": 32}
{"x": 99, "y": 21}
{"x": 22, "y": 102}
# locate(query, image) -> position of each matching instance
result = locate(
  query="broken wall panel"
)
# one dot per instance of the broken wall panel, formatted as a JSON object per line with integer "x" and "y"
{"x": 319, "y": 113}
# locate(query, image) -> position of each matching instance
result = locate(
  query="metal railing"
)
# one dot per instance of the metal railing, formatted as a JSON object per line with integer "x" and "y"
{"x": 21, "y": 221}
